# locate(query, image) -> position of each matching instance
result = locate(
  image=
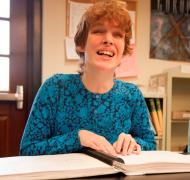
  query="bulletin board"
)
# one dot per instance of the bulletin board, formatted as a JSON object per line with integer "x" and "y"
{"x": 128, "y": 65}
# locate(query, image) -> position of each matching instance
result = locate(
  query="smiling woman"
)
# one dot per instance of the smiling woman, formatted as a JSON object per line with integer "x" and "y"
{"x": 92, "y": 108}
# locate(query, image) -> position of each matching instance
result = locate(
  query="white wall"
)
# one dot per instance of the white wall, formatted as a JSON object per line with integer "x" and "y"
{"x": 54, "y": 31}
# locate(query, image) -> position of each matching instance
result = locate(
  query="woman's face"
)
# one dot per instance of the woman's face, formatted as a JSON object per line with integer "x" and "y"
{"x": 104, "y": 47}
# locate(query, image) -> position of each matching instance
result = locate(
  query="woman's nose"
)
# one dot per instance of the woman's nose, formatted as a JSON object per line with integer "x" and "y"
{"x": 108, "y": 39}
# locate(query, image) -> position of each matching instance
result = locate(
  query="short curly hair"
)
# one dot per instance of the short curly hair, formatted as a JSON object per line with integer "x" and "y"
{"x": 113, "y": 11}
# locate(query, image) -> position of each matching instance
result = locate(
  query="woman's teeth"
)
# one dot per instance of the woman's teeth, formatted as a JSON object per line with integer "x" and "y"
{"x": 107, "y": 53}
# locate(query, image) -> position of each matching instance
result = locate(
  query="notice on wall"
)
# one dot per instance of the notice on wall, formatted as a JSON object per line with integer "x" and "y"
{"x": 128, "y": 66}
{"x": 76, "y": 10}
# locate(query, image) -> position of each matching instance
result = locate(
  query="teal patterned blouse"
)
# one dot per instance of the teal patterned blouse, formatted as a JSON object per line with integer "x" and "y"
{"x": 63, "y": 106}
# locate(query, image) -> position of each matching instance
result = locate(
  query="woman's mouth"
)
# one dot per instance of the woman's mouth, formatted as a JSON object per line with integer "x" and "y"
{"x": 105, "y": 53}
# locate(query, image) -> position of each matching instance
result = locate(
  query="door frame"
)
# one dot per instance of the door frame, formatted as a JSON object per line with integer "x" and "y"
{"x": 34, "y": 48}
{"x": 25, "y": 46}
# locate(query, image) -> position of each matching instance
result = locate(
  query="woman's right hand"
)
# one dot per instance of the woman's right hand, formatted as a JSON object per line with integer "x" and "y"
{"x": 97, "y": 142}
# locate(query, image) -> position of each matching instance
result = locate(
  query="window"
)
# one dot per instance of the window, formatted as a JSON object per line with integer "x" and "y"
{"x": 4, "y": 44}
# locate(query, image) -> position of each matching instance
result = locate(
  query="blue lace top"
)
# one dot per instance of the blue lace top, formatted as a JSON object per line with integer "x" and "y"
{"x": 63, "y": 106}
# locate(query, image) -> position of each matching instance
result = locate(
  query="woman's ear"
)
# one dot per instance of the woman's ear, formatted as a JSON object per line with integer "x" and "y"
{"x": 79, "y": 49}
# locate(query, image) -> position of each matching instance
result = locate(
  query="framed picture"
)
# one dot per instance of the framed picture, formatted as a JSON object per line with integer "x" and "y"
{"x": 170, "y": 30}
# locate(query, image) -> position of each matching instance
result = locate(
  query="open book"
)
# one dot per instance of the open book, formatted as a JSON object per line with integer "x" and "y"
{"x": 74, "y": 165}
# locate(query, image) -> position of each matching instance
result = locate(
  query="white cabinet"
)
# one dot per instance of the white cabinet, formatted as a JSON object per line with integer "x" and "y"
{"x": 178, "y": 94}
{"x": 177, "y": 86}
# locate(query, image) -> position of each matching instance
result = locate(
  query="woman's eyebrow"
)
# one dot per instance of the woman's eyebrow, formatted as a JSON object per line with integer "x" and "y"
{"x": 97, "y": 25}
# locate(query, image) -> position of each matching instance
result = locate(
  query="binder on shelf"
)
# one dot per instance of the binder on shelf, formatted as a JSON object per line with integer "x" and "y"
{"x": 154, "y": 116}
{"x": 151, "y": 123}
{"x": 159, "y": 112}
{"x": 188, "y": 144}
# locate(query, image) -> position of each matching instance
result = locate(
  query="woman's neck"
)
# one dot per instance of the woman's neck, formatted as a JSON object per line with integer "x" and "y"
{"x": 98, "y": 82}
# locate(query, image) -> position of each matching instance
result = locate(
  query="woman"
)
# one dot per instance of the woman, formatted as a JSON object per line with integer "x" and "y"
{"x": 91, "y": 109}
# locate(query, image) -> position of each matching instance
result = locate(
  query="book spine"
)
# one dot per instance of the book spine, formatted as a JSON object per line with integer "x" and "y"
{"x": 151, "y": 123}
{"x": 188, "y": 145}
{"x": 159, "y": 112}
{"x": 154, "y": 116}
{"x": 106, "y": 158}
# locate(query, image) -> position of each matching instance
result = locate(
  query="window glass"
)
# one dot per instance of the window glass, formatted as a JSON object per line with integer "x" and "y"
{"x": 4, "y": 44}
{"x": 5, "y": 8}
{"x": 4, "y": 37}
{"x": 4, "y": 73}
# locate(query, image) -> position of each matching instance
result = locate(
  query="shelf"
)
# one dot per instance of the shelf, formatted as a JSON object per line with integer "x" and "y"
{"x": 158, "y": 137}
{"x": 152, "y": 93}
{"x": 180, "y": 120}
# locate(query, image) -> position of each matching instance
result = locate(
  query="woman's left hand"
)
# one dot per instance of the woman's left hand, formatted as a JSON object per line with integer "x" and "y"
{"x": 126, "y": 145}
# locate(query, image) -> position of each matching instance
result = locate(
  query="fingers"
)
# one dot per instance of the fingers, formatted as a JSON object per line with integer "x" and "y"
{"x": 97, "y": 142}
{"x": 138, "y": 149}
{"x": 132, "y": 148}
{"x": 104, "y": 146}
{"x": 126, "y": 145}
{"x": 119, "y": 143}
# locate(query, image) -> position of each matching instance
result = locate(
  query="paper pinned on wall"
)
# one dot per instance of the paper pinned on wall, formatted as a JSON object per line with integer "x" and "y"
{"x": 128, "y": 66}
{"x": 70, "y": 49}
{"x": 76, "y": 10}
{"x": 132, "y": 15}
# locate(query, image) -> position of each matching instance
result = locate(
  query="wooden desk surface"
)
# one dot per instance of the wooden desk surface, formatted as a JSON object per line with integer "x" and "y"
{"x": 178, "y": 176}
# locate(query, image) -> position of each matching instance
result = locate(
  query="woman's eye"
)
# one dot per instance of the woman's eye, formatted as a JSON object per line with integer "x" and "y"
{"x": 118, "y": 34}
{"x": 97, "y": 31}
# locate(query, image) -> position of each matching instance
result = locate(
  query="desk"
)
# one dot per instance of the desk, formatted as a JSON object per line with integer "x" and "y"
{"x": 178, "y": 176}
